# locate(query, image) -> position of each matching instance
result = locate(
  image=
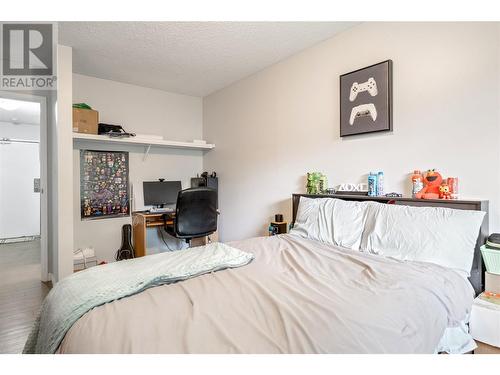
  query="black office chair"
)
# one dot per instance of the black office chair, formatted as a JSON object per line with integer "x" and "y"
{"x": 195, "y": 214}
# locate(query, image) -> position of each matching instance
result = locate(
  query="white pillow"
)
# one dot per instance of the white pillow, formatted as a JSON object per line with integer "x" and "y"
{"x": 428, "y": 234}
{"x": 332, "y": 221}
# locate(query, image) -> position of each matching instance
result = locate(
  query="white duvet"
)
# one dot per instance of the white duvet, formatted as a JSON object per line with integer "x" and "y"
{"x": 297, "y": 296}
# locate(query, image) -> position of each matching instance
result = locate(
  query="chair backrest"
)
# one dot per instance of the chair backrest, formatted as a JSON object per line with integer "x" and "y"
{"x": 196, "y": 212}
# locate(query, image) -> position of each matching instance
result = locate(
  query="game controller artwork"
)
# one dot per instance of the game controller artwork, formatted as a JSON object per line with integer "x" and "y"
{"x": 370, "y": 86}
{"x": 365, "y": 99}
{"x": 362, "y": 111}
{"x": 104, "y": 184}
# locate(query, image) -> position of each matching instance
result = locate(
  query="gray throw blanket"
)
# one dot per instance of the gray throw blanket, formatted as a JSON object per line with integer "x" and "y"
{"x": 75, "y": 295}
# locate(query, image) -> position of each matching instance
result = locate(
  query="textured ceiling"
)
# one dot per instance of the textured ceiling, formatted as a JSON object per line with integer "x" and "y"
{"x": 19, "y": 112}
{"x": 194, "y": 58}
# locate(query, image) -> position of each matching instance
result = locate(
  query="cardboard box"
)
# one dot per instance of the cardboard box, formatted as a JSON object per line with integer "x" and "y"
{"x": 483, "y": 348}
{"x": 85, "y": 121}
{"x": 492, "y": 282}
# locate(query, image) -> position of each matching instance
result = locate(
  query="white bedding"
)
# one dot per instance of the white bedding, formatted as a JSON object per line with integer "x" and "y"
{"x": 457, "y": 340}
{"x": 297, "y": 296}
{"x": 332, "y": 221}
{"x": 437, "y": 235}
{"x": 430, "y": 234}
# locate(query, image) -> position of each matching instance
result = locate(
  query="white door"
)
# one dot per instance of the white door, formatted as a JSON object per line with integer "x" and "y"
{"x": 20, "y": 204}
{"x": 23, "y": 212}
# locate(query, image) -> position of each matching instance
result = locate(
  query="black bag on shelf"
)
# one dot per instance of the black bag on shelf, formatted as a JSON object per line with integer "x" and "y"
{"x": 113, "y": 130}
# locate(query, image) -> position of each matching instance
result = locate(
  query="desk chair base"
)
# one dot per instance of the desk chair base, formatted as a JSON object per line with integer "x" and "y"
{"x": 201, "y": 241}
{"x": 192, "y": 242}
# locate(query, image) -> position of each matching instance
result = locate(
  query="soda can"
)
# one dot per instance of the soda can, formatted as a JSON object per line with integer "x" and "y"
{"x": 453, "y": 185}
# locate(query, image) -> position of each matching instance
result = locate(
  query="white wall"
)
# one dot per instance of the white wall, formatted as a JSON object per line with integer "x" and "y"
{"x": 19, "y": 131}
{"x": 63, "y": 218}
{"x": 273, "y": 127}
{"x": 143, "y": 111}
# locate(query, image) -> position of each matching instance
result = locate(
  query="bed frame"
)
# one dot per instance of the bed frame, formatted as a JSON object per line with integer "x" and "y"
{"x": 478, "y": 270}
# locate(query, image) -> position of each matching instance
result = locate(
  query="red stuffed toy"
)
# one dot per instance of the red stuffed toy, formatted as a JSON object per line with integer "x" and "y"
{"x": 444, "y": 191}
{"x": 432, "y": 182}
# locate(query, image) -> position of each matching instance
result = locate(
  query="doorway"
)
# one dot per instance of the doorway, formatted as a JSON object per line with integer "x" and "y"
{"x": 23, "y": 215}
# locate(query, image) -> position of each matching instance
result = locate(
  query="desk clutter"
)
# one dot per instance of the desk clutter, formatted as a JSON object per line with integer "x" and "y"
{"x": 186, "y": 214}
{"x": 205, "y": 179}
{"x": 105, "y": 192}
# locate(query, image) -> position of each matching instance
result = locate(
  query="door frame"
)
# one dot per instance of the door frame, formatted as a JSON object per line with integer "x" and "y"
{"x": 43, "y": 149}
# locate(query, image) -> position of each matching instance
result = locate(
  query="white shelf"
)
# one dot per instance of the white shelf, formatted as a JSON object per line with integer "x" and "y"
{"x": 142, "y": 142}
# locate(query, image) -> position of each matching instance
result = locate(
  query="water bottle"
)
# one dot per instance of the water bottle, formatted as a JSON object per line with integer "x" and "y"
{"x": 380, "y": 184}
{"x": 372, "y": 184}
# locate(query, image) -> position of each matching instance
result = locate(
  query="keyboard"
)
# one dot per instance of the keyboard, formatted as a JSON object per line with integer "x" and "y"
{"x": 162, "y": 210}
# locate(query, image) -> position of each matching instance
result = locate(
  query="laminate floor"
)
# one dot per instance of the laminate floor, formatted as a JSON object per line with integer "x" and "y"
{"x": 21, "y": 293}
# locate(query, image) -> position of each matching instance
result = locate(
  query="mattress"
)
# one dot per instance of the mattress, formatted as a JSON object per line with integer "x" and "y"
{"x": 297, "y": 296}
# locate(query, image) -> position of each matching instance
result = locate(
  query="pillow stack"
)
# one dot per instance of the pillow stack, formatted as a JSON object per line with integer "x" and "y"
{"x": 332, "y": 221}
{"x": 437, "y": 235}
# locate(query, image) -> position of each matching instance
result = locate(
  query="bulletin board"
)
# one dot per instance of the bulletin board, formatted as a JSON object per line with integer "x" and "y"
{"x": 104, "y": 184}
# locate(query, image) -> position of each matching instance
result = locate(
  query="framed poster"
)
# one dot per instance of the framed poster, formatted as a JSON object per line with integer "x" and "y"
{"x": 104, "y": 184}
{"x": 366, "y": 100}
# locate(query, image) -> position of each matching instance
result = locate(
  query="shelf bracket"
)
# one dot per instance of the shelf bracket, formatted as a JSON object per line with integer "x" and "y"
{"x": 146, "y": 152}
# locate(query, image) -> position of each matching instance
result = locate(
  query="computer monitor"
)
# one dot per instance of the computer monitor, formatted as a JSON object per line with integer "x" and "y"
{"x": 160, "y": 193}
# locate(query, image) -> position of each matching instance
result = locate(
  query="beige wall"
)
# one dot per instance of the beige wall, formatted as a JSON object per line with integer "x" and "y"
{"x": 145, "y": 111}
{"x": 273, "y": 127}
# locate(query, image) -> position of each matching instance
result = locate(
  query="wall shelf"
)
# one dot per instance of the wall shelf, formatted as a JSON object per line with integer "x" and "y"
{"x": 142, "y": 142}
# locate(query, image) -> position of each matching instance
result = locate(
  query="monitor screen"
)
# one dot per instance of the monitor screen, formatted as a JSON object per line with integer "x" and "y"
{"x": 158, "y": 193}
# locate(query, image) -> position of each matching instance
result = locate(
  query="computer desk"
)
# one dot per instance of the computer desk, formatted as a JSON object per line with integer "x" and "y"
{"x": 141, "y": 221}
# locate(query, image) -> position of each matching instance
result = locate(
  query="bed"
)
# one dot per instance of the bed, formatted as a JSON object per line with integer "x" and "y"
{"x": 300, "y": 294}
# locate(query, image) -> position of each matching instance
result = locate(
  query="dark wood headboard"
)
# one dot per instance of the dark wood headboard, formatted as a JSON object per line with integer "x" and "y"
{"x": 477, "y": 272}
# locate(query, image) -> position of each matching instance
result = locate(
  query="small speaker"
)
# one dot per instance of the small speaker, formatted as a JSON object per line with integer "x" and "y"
{"x": 213, "y": 182}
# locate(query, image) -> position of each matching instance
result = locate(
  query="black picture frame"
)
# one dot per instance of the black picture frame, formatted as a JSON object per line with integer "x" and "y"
{"x": 367, "y": 106}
